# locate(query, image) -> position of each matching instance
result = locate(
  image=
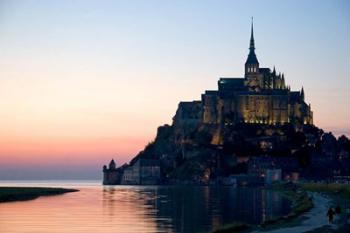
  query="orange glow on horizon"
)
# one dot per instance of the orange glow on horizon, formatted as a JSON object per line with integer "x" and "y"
{"x": 74, "y": 152}
{"x": 83, "y": 82}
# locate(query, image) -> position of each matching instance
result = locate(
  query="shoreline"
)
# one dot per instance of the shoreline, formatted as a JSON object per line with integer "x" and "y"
{"x": 11, "y": 194}
{"x": 303, "y": 211}
{"x": 300, "y": 203}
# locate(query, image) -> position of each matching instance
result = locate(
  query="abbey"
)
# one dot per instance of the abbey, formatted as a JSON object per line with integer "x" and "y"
{"x": 246, "y": 117}
{"x": 261, "y": 97}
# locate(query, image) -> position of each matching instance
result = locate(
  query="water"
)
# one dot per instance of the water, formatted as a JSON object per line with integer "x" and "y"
{"x": 138, "y": 209}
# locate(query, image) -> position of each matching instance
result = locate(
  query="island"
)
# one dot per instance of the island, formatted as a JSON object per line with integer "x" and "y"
{"x": 253, "y": 130}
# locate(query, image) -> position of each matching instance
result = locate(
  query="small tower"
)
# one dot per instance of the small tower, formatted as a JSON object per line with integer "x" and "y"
{"x": 112, "y": 165}
{"x": 111, "y": 175}
{"x": 252, "y": 63}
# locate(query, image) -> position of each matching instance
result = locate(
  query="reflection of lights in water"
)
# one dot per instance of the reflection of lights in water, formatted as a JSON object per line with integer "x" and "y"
{"x": 138, "y": 209}
{"x": 263, "y": 206}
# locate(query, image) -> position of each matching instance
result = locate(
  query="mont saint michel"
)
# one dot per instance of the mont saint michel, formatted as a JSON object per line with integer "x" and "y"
{"x": 251, "y": 130}
{"x": 174, "y": 116}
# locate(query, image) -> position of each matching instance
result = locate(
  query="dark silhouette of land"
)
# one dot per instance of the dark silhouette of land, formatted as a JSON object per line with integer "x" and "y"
{"x": 252, "y": 130}
{"x": 8, "y": 194}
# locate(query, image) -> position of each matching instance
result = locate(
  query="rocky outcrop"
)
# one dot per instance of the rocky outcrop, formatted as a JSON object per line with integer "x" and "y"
{"x": 255, "y": 115}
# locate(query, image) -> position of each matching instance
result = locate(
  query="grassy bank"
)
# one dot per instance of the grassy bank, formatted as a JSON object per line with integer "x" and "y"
{"x": 8, "y": 194}
{"x": 340, "y": 194}
{"x": 341, "y": 190}
{"x": 300, "y": 203}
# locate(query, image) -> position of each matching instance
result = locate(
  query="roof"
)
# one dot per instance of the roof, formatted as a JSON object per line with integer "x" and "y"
{"x": 252, "y": 59}
{"x": 211, "y": 92}
{"x": 234, "y": 79}
{"x": 294, "y": 95}
{"x": 231, "y": 82}
{"x": 229, "y": 85}
{"x": 189, "y": 103}
{"x": 265, "y": 70}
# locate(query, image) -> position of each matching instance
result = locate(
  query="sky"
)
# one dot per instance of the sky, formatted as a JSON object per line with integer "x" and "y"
{"x": 82, "y": 82}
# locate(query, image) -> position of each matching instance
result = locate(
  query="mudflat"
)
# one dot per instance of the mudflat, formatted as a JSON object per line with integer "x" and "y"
{"x": 8, "y": 194}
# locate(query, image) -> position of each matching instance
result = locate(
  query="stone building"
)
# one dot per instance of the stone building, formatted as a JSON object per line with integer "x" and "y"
{"x": 143, "y": 171}
{"x": 287, "y": 168}
{"x": 112, "y": 174}
{"x": 260, "y": 97}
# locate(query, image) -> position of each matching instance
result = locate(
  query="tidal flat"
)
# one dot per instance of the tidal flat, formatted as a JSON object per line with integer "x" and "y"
{"x": 8, "y": 194}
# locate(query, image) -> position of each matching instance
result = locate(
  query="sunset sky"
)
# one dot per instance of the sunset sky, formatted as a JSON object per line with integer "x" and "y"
{"x": 82, "y": 82}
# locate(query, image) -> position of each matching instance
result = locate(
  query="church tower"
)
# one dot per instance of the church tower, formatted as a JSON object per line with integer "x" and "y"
{"x": 252, "y": 63}
{"x": 253, "y": 78}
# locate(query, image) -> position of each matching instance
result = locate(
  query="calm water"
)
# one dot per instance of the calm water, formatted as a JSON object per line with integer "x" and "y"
{"x": 138, "y": 209}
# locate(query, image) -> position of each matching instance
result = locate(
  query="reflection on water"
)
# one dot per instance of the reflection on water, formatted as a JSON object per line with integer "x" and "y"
{"x": 141, "y": 209}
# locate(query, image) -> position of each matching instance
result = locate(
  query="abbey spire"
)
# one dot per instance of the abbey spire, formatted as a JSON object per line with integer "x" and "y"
{"x": 252, "y": 42}
{"x": 252, "y": 63}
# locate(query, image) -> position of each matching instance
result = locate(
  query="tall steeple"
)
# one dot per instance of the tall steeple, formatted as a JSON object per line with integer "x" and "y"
{"x": 252, "y": 43}
{"x": 252, "y": 63}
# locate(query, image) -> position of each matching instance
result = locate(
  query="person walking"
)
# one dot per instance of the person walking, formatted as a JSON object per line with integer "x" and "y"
{"x": 330, "y": 215}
